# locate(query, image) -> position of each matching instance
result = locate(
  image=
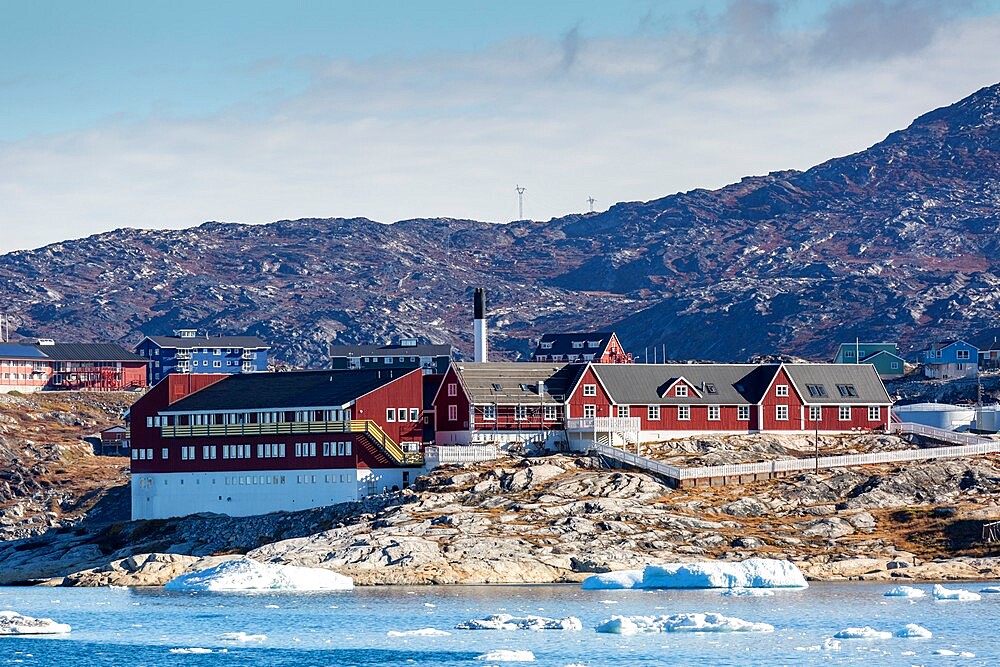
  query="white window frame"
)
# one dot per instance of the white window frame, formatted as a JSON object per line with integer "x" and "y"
{"x": 589, "y": 411}
{"x": 453, "y": 389}
{"x": 815, "y": 413}
{"x": 390, "y": 414}
{"x": 549, "y": 413}
{"x": 590, "y": 390}
{"x": 489, "y": 413}
{"x": 962, "y": 354}
{"x": 414, "y": 414}
{"x": 844, "y": 413}
{"x": 681, "y": 391}
{"x": 743, "y": 413}
{"x": 453, "y": 413}
{"x": 874, "y": 413}
{"x": 684, "y": 413}
{"x": 622, "y": 411}
{"x": 653, "y": 413}
{"x": 781, "y": 390}
{"x": 520, "y": 413}
{"x": 781, "y": 413}
{"x": 714, "y": 413}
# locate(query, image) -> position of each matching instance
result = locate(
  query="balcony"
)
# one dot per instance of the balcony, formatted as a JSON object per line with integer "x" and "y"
{"x": 604, "y": 424}
{"x": 183, "y": 354}
{"x": 247, "y": 355}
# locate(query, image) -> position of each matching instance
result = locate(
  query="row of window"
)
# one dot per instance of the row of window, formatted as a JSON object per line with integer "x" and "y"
{"x": 564, "y": 357}
{"x": 215, "y": 351}
{"x": 244, "y": 451}
{"x": 400, "y": 414}
{"x": 298, "y": 416}
{"x": 742, "y": 412}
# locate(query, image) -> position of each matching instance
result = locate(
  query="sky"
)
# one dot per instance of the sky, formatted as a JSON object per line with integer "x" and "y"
{"x": 116, "y": 113}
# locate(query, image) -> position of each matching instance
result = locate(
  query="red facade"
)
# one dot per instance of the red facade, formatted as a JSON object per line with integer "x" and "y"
{"x": 451, "y": 405}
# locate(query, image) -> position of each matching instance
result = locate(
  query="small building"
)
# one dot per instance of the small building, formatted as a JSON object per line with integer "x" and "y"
{"x": 989, "y": 356}
{"x": 407, "y": 353}
{"x": 601, "y": 347}
{"x": 883, "y": 356}
{"x": 188, "y": 352}
{"x": 246, "y": 444}
{"x": 92, "y": 366}
{"x": 950, "y": 359}
{"x": 114, "y": 440}
{"x": 23, "y": 368}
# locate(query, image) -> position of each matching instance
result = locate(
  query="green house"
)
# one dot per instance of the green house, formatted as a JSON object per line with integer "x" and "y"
{"x": 884, "y": 356}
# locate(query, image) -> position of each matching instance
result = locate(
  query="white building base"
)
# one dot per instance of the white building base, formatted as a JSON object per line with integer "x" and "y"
{"x": 247, "y": 493}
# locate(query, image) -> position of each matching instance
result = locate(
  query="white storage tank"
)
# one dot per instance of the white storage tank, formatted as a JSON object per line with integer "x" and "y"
{"x": 988, "y": 418}
{"x": 938, "y": 415}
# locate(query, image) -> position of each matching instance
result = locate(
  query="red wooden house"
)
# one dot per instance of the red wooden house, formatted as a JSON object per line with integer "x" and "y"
{"x": 243, "y": 444}
{"x": 600, "y": 347}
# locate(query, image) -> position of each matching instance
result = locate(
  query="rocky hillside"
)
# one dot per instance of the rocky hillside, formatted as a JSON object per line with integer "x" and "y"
{"x": 897, "y": 242}
{"x": 560, "y": 518}
{"x": 49, "y": 474}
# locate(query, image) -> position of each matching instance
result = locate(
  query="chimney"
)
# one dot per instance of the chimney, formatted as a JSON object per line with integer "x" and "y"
{"x": 481, "y": 352}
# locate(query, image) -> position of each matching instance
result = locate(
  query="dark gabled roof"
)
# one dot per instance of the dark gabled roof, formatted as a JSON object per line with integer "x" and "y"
{"x": 562, "y": 343}
{"x": 205, "y": 341}
{"x": 391, "y": 350}
{"x": 505, "y": 383}
{"x": 295, "y": 389}
{"x": 868, "y": 359}
{"x": 644, "y": 384}
{"x": 19, "y": 351}
{"x": 942, "y": 344}
{"x": 862, "y": 377}
{"x": 88, "y": 352}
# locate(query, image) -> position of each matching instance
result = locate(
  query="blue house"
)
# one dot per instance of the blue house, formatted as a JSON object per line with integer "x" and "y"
{"x": 949, "y": 359}
{"x": 883, "y": 356}
{"x": 187, "y": 352}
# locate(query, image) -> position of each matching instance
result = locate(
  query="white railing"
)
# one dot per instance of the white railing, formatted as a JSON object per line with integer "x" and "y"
{"x": 939, "y": 433}
{"x": 604, "y": 424}
{"x": 638, "y": 461}
{"x": 439, "y": 455}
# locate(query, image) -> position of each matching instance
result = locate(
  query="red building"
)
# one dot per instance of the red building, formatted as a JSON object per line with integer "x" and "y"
{"x": 255, "y": 443}
{"x": 47, "y": 365}
{"x": 601, "y": 347}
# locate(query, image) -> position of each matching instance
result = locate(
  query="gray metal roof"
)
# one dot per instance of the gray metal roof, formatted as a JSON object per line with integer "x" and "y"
{"x": 644, "y": 384}
{"x": 517, "y": 383}
{"x": 183, "y": 343}
{"x": 863, "y": 378}
{"x": 19, "y": 351}
{"x": 88, "y": 352}
{"x": 392, "y": 350}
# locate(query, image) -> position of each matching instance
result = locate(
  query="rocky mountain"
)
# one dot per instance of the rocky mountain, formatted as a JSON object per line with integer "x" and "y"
{"x": 898, "y": 242}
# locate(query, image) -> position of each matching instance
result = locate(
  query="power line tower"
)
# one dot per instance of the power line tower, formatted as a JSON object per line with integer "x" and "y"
{"x": 520, "y": 201}
{"x": 591, "y": 200}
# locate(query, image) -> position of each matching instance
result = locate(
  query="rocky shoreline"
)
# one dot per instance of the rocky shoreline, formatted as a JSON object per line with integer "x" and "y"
{"x": 560, "y": 518}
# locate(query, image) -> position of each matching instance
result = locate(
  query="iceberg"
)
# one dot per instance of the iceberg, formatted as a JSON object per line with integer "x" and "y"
{"x": 423, "y": 632}
{"x": 241, "y": 637}
{"x": 948, "y": 651}
{"x": 751, "y": 573}
{"x": 747, "y": 593}
{"x": 862, "y": 633}
{"x": 990, "y": 589}
{"x": 505, "y": 655}
{"x": 13, "y": 623}
{"x": 508, "y": 622}
{"x": 914, "y": 631}
{"x": 942, "y": 593}
{"x": 193, "y": 650}
{"x": 630, "y": 625}
{"x": 904, "y": 592}
{"x": 246, "y": 574}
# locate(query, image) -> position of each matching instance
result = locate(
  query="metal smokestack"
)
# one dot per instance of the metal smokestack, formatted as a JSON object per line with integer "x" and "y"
{"x": 481, "y": 352}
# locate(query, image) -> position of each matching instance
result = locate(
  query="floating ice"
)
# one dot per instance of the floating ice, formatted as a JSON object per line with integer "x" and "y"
{"x": 508, "y": 622}
{"x": 942, "y": 593}
{"x": 904, "y": 592}
{"x": 195, "y": 650}
{"x": 241, "y": 637}
{"x": 504, "y": 655}
{"x": 914, "y": 631}
{"x": 630, "y": 625}
{"x": 946, "y": 651}
{"x": 862, "y": 633}
{"x": 245, "y": 574}
{"x": 990, "y": 589}
{"x": 423, "y": 632}
{"x": 751, "y": 573}
{"x": 747, "y": 592}
{"x": 13, "y": 623}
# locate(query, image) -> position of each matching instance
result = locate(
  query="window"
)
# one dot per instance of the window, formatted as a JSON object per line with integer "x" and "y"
{"x": 590, "y": 390}
{"x": 816, "y": 390}
{"x": 401, "y": 414}
{"x": 164, "y": 453}
{"x": 589, "y": 411}
{"x": 894, "y": 365}
{"x": 217, "y": 364}
{"x": 874, "y": 413}
{"x": 714, "y": 413}
{"x": 681, "y": 390}
{"x": 849, "y": 354}
{"x": 452, "y": 389}
{"x": 414, "y": 414}
{"x": 578, "y": 345}
{"x": 743, "y": 413}
{"x": 844, "y": 413}
{"x": 710, "y": 388}
{"x": 217, "y": 351}
{"x": 520, "y": 413}
{"x": 961, "y": 354}
{"x": 684, "y": 413}
{"x": 653, "y": 413}
{"x": 390, "y": 414}
{"x": 847, "y": 390}
{"x": 815, "y": 413}
{"x": 452, "y": 413}
{"x": 781, "y": 390}
{"x": 593, "y": 343}
{"x": 622, "y": 411}
{"x": 549, "y": 413}
{"x": 547, "y": 345}
{"x": 541, "y": 357}
{"x": 781, "y": 413}
{"x": 489, "y": 412}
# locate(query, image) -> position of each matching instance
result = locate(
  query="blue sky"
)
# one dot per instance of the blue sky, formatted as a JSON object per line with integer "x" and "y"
{"x": 169, "y": 114}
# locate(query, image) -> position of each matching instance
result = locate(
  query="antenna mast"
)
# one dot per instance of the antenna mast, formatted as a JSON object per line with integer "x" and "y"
{"x": 591, "y": 200}
{"x": 520, "y": 201}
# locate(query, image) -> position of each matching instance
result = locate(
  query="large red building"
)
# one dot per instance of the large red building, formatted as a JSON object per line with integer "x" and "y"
{"x": 262, "y": 442}
{"x": 48, "y": 365}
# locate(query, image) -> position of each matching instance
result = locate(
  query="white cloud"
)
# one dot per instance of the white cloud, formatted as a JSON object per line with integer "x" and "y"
{"x": 450, "y": 134}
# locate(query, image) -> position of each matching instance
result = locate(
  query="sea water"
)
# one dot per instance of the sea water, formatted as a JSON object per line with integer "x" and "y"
{"x": 152, "y": 627}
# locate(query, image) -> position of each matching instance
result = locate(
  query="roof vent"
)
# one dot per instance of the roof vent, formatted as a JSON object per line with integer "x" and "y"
{"x": 46, "y": 341}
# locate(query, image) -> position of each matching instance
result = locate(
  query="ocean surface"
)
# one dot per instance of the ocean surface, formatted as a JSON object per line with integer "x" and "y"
{"x": 151, "y": 627}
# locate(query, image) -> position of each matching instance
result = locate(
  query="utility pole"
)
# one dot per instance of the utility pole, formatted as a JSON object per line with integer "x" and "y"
{"x": 520, "y": 201}
{"x": 591, "y": 200}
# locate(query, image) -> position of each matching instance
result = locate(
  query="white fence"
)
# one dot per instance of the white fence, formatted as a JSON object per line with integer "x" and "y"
{"x": 939, "y": 434}
{"x": 604, "y": 424}
{"x": 981, "y": 446}
{"x": 439, "y": 455}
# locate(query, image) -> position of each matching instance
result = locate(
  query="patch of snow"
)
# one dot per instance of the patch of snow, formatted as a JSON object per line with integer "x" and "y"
{"x": 630, "y": 625}
{"x": 914, "y": 631}
{"x": 423, "y": 632}
{"x": 866, "y": 632}
{"x": 246, "y": 574}
{"x": 13, "y": 623}
{"x": 942, "y": 593}
{"x": 904, "y": 592}
{"x": 508, "y": 622}
{"x": 505, "y": 655}
{"x": 241, "y": 637}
